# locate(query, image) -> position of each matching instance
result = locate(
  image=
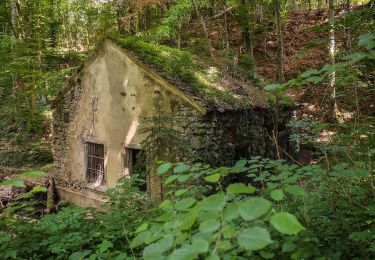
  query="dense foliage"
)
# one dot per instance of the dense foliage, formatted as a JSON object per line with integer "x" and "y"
{"x": 283, "y": 211}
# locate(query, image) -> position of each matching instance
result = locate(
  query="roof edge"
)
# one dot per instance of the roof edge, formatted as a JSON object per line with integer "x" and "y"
{"x": 145, "y": 68}
{"x": 163, "y": 82}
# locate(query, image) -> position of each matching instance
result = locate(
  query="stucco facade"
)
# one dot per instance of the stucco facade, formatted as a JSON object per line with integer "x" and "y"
{"x": 104, "y": 103}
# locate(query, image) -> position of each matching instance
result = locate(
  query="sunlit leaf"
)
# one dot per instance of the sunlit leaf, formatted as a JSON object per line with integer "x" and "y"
{"x": 213, "y": 178}
{"x": 253, "y": 208}
{"x": 255, "y": 238}
{"x": 239, "y": 188}
{"x": 163, "y": 168}
{"x": 286, "y": 223}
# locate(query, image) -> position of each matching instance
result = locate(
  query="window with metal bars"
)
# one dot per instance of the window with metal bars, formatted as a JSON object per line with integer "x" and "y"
{"x": 95, "y": 164}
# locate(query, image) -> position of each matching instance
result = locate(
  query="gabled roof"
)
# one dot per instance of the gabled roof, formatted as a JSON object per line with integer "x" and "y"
{"x": 204, "y": 85}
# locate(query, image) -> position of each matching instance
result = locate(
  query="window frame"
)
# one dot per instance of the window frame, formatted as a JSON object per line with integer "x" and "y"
{"x": 86, "y": 161}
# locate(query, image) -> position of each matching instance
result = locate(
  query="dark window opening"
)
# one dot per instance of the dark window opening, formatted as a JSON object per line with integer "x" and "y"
{"x": 95, "y": 164}
{"x": 136, "y": 166}
{"x": 242, "y": 152}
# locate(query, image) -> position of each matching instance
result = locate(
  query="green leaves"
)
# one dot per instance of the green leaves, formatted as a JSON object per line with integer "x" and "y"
{"x": 286, "y": 223}
{"x": 255, "y": 238}
{"x": 213, "y": 178}
{"x": 141, "y": 228}
{"x": 214, "y": 202}
{"x": 253, "y": 208}
{"x": 184, "y": 204}
{"x": 239, "y": 188}
{"x": 277, "y": 195}
{"x": 163, "y": 168}
{"x": 295, "y": 190}
{"x": 209, "y": 226}
{"x": 155, "y": 250}
{"x": 181, "y": 168}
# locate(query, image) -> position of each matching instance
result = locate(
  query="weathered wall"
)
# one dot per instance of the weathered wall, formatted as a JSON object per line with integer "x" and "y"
{"x": 221, "y": 138}
{"x": 104, "y": 106}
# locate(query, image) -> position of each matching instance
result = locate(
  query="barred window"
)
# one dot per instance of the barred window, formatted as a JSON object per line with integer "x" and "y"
{"x": 95, "y": 164}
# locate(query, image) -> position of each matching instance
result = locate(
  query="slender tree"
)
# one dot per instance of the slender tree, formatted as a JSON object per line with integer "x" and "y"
{"x": 280, "y": 41}
{"x": 204, "y": 27}
{"x": 332, "y": 51}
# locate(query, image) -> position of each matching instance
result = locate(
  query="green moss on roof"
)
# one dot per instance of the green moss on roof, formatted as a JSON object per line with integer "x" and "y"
{"x": 205, "y": 84}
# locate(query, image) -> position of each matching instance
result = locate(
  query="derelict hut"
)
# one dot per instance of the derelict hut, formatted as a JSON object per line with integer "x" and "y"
{"x": 96, "y": 118}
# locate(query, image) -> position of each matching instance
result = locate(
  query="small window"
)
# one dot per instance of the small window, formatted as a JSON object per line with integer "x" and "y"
{"x": 132, "y": 165}
{"x": 242, "y": 152}
{"x": 95, "y": 164}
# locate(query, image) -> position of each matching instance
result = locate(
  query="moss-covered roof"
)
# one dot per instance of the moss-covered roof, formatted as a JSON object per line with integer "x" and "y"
{"x": 204, "y": 83}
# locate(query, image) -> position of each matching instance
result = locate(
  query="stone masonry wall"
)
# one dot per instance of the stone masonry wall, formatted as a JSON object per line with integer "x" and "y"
{"x": 221, "y": 138}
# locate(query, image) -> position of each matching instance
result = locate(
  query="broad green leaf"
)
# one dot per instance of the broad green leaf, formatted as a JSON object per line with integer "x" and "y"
{"x": 295, "y": 190}
{"x": 254, "y": 238}
{"x": 200, "y": 245}
{"x": 289, "y": 247}
{"x": 140, "y": 239}
{"x": 180, "y": 192}
{"x": 183, "y": 253}
{"x": 104, "y": 246}
{"x": 238, "y": 188}
{"x": 165, "y": 204}
{"x": 213, "y": 178}
{"x": 184, "y": 204}
{"x": 167, "y": 216}
{"x": 214, "y": 202}
{"x": 224, "y": 245}
{"x": 286, "y": 223}
{"x": 231, "y": 212}
{"x": 212, "y": 257}
{"x": 17, "y": 182}
{"x": 33, "y": 174}
{"x": 170, "y": 179}
{"x": 156, "y": 249}
{"x": 189, "y": 221}
{"x": 253, "y": 208}
{"x": 80, "y": 255}
{"x": 183, "y": 178}
{"x": 163, "y": 168}
{"x": 209, "y": 225}
{"x": 142, "y": 228}
{"x": 277, "y": 195}
{"x": 181, "y": 168}
{"x": 241, "y": 163}
{"x": 267, "y": 255}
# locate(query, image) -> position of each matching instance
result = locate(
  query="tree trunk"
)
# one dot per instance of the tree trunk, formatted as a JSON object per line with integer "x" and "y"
{"x": 226, "y": 28}
{"x": 332, "y": 51}
{"x": 17, "y": 82}
{"x": 179, "y": 36}
{"x": 204, "y": 27}
{"x": 280, "y": 42}
{"x": 246, "y": 33}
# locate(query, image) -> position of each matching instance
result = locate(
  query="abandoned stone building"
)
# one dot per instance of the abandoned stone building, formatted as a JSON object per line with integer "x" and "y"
{"x": 96, "y": 119}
